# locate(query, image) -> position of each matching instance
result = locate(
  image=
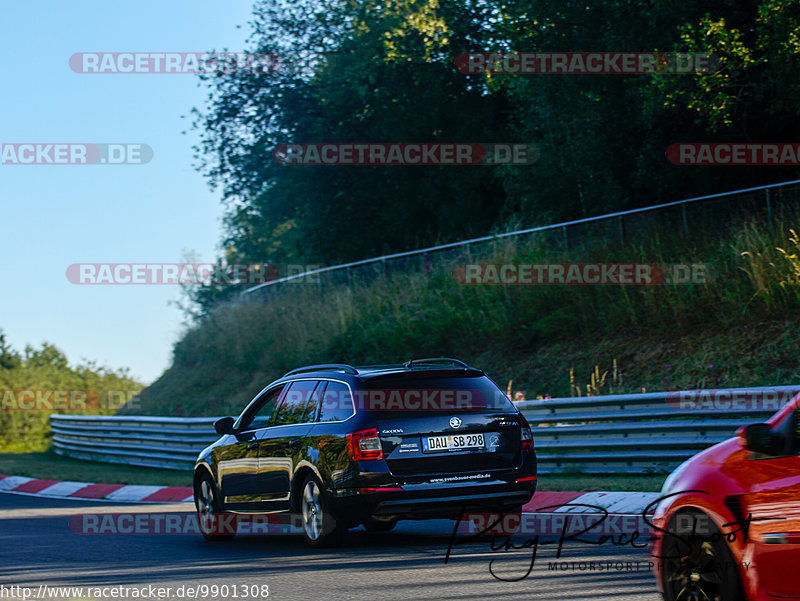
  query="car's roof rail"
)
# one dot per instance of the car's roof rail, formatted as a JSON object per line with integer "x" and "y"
{"x": 436, "y": 361}
{"x": 349, "y": 369}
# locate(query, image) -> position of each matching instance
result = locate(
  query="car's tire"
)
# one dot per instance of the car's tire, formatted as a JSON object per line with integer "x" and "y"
{"x": 321, "y": 526}
{"x": 699, "y": 565}
{"x": 373, "y": 525}
{"x": 208, "y": 503}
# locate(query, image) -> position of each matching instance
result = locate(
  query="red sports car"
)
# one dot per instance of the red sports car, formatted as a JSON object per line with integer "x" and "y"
{"x": 728, "y": 524}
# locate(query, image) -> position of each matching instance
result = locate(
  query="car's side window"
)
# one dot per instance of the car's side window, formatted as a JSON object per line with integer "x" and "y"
{"x": 316, "y": 399}
{"x": 337, "y": 403}
{"x": 296, "y": 403}
{"x": 262, "y": 411}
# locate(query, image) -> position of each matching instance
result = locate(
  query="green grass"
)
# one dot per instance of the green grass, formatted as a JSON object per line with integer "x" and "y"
{"x": 580, "y": 482}
{"x": 49, "y": 466}
{"x": 739, "y": 329}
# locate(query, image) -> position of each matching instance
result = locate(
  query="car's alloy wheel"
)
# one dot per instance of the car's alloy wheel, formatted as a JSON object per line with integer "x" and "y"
{"x": 209, "y": 510}
{"x": 698, "y": 567}
{"x": 320, "y": 526}
{"x": 312, "y": 510}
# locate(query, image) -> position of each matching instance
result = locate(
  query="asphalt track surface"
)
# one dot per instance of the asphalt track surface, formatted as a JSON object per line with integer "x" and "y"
{"x": 38, "y": 549}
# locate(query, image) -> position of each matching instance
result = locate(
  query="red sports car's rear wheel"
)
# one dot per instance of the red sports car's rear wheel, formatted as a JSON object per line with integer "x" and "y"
{"x": 697, "y": 563}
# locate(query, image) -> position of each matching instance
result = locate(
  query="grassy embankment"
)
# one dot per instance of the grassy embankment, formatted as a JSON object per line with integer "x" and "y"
{"x": 738, "y": 329}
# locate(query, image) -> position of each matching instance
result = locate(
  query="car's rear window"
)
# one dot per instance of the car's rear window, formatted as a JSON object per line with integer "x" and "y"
{"x": 393, "y": 398}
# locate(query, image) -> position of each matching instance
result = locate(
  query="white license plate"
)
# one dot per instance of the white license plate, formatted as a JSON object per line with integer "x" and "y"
{"x": 453, "y": 442}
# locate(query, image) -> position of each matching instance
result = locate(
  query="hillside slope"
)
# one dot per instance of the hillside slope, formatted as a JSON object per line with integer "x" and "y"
{"x": 740, "y": 328}
{"x": 755, "y": 354}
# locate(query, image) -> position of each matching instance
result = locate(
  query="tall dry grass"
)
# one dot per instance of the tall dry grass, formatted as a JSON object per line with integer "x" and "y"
{"x": 754, "y": 269}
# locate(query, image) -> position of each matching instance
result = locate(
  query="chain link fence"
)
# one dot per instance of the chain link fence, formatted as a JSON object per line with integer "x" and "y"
{"x": 700, "y": 216}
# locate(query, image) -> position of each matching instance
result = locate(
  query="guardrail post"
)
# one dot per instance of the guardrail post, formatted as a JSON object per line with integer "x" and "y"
{"x": 685, "y": 220}
{"x": 566, "y": 239}
{"x": 622, "y": 229}
{"x": 769, "y": 205}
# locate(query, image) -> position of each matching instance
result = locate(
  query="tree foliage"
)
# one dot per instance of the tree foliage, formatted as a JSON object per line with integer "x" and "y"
{"x": 383, "y": 71}
{"x": 25, "y": 427}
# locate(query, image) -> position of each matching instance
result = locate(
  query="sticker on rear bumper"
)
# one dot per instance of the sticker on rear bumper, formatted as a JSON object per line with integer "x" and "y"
{"x": 460, "y": 478}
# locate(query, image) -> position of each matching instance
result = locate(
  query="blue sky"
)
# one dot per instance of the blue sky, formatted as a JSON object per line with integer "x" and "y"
{"x": 53, "y": 216}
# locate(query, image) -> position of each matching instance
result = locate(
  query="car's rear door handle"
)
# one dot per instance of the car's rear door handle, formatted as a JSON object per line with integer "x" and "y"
{"x": 253, "y": 445}
{"x": 295, "y": 442}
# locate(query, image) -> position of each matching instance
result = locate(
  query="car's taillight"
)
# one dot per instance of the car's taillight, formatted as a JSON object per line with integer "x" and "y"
{"x": 364, "y": 445}
{"x": 526, "y": 436}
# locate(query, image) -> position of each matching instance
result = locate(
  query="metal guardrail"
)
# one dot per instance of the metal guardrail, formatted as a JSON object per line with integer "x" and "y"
{"x": 620, "y": 217}
{"x": 162, "y": 442}
{"x": 624, "y": 433}
{"x": 642, "y": 433}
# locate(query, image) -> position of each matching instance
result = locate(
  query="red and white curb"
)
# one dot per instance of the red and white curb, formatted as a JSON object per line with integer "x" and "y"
{"x": 615, "y": 503}
{"x": 545, "y": 512}
{"x": 123, "y": 493}
{"x": 618, "y": 515}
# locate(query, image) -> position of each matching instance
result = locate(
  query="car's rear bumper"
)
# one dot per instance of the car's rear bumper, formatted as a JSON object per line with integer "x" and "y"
{"x": 451, "y": 506}
{"x": 435, "y": 500}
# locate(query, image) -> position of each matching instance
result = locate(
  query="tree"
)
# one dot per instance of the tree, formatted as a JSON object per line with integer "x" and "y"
{"x": 9, "y": 359}
{"x": 383, "y": 71}
{"x": 388, "y": 76}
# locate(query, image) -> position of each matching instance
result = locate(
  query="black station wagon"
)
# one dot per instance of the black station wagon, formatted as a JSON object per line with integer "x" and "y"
{"x": 338, "y": 446}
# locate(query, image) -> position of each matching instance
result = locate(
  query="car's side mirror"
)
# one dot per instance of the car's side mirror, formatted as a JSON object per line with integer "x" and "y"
{"x": 224, "y": 425}
{"x": 759, "y": 438}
